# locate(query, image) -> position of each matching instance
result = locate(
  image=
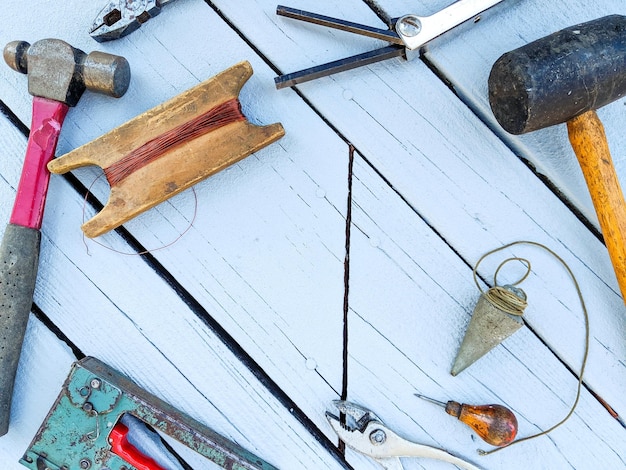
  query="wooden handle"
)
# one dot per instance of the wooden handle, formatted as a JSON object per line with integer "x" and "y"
{"x": 586, "y": 134}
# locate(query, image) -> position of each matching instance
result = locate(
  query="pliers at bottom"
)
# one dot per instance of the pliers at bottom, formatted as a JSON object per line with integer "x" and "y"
{"x": 365, "y": 433}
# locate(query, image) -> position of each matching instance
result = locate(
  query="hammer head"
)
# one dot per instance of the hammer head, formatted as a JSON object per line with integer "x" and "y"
{"x": 60, "y": 72}
{"x": 558, "y": 77}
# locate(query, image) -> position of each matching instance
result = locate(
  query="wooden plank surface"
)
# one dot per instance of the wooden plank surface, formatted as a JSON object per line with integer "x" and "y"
{"x": 240, "y": 323}
{"x": 470, "y": 188}
{"x": 97, "y": 311}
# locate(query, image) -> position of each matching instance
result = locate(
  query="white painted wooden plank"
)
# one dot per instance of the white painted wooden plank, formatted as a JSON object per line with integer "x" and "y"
{"x": 168, "y": 350}
{"x": 269, "y": 234}
{"x": 172, "y": 216}
{"x": 465, "y": 58}
{"x": 118, "y": 309}
{"x": 259, "y": 232}
{"x": 403, "y": 340}
{"x": 43, "y": 368}
{"x": 294, "y": 373}
{"x": 466, "y": 184}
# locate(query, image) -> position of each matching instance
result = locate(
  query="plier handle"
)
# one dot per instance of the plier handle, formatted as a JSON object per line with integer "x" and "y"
{"x": 365, "y": 433}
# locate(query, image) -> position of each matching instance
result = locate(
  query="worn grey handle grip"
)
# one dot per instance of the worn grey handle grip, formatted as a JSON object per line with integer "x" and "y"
{"x": 19, "y": 258}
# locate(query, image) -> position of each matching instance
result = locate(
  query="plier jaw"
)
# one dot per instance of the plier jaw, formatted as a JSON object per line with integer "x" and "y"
{"x": 358, "y": 417}
{"x": 121, "y": 17}
{"x": 364, "y": 432}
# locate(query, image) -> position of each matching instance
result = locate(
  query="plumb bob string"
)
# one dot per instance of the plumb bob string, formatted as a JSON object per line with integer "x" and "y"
{"x": 506, "y": 300}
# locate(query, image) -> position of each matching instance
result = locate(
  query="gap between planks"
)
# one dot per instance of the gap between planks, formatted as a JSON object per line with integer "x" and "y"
{"x": 129, "y": 239}
{"x": 346, "y": 284}
{"x": 386, "y": 18}
{"x": 440, "y": 75}
{"x": 193, "y": 305}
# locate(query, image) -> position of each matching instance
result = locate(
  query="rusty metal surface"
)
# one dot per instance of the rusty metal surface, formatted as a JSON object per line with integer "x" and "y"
{"x": 75, "y": 434}
{"x": 60, "y": 72}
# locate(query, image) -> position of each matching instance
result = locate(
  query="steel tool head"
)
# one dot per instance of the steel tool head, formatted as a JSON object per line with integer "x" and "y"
{"x": 121, "y": 17}
{"x": 358, "y": 416}
{"x": 60, "y": 72}
{"x": 558, "y": 77}
{"x": 364, "y": 432}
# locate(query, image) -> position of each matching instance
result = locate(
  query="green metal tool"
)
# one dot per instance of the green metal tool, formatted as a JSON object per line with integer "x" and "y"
{"x": 83, "y": 429}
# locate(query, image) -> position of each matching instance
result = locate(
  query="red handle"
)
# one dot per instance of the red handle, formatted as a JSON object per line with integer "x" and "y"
{"x": 48, "y": 116}
{"x": 129, "y": 453}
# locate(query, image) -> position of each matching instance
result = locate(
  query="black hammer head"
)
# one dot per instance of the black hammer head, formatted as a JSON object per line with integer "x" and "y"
{"x": 556, "y": 78}
{"x": 60, "y": 72}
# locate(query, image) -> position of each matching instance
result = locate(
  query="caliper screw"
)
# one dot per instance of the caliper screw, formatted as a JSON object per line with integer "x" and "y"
{"x": 409, "y": 26}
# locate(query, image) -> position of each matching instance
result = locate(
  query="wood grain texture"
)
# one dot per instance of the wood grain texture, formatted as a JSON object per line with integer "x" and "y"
{"x": 506, "y": 27}
{"x": 434, "y": 188}
{"x": 470, "y": 188}
{"x": 178, "y": 168}
{"x": 588, "y": 139}
{"x": 187, "y": 365}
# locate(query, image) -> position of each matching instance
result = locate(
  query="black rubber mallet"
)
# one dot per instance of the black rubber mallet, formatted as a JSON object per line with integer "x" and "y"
{"x": 561, "y": 78}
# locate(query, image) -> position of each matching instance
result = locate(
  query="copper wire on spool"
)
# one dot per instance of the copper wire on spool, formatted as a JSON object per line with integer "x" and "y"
{"x": 219, "y": 116}
{"x": 170, "y": 148}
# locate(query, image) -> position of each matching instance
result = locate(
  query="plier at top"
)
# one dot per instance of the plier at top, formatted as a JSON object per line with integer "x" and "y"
{"x": 407, "y": 33}
{"x": 365, "y": 433}
{"x": 121, "y": 17}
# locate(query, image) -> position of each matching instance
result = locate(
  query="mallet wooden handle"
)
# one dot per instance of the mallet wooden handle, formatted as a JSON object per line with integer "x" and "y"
{"x": 586, "y": 134}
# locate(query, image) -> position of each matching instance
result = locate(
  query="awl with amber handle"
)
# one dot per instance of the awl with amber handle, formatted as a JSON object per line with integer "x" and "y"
{"x": 494, "y": 424}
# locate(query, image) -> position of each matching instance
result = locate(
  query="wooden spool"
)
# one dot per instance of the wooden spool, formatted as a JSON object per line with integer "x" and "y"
{"x": 182, "y": 165}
